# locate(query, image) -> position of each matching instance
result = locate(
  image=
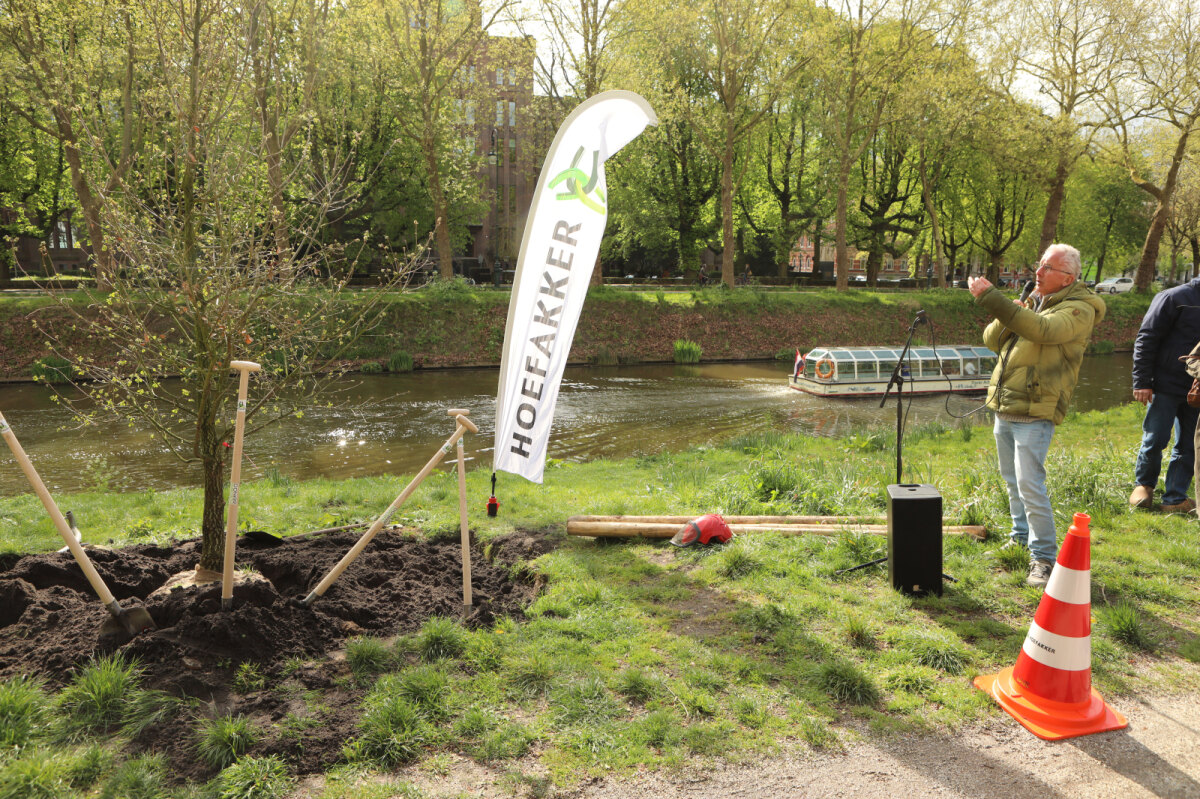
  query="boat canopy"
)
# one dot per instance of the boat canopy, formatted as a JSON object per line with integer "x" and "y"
{"x": 845, "y": 364}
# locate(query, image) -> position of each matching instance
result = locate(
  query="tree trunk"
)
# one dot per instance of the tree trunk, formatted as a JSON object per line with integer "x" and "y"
{"x": 995, "y": 261}
{"x": 1104, "y": 247}
{"x": 939, "y": 254}
{"x": 212, "y": 528}
{"x": 874, "y": 262}
{"x": 727, "y": 213}
{"x": 1148, "y": 263}
{"x": 89, "y": 206}
{"x": 1195, "y": 242}
{"x": 1054, "y": 206}
{"x": 842, "y": 252}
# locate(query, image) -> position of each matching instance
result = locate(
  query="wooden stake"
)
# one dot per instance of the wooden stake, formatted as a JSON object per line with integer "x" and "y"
{"x": 462, "y": 516}
{"x": 464, "y": 424}
{"x": 681, "y": 520}
{"x": 578, "y": 525}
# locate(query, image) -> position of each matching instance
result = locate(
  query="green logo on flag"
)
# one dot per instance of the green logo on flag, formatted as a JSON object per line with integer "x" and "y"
{"x": 580, "y": 185}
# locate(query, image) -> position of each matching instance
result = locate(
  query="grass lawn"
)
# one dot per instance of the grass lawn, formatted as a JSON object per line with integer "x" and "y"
{"x": 637, "y": 655}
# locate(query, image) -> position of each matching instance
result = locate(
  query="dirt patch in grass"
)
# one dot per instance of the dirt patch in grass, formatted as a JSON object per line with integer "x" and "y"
{"x": 50, "y": 621}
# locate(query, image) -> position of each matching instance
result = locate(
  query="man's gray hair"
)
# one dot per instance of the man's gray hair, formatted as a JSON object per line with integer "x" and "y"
{"x": 1068, "y": 257}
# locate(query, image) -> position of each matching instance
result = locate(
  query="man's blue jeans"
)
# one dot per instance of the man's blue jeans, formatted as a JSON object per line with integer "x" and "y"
{"x": 1164, "y": 414}
{"x": 1022, "y": 448}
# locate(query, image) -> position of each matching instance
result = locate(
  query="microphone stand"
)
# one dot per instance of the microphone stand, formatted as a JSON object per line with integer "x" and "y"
{"x": 897, "y": 380}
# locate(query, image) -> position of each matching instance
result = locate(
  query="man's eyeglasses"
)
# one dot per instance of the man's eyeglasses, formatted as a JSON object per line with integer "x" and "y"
{"x": 1047, "y": 267}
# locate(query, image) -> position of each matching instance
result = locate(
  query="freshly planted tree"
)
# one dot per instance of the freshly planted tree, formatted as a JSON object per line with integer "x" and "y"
{"x": 203, "y": 277}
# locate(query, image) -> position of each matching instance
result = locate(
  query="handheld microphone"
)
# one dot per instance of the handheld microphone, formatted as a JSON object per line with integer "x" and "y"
{"x": 1027, "y": 290}
{"x": 922, "y": 318}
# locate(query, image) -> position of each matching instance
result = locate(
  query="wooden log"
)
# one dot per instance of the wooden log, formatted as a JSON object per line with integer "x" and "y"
{"x": 575, "y": 526}
{"x": 738, "y": 519}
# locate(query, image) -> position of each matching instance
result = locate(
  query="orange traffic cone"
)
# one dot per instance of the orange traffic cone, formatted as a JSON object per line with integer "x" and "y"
{"x": 1049, "y": 690}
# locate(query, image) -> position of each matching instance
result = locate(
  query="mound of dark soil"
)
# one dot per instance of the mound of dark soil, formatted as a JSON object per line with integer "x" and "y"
{"x": 50, "y": 620}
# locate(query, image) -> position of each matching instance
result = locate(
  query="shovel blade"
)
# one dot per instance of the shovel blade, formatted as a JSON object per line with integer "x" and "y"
{"x": 123, "y": 625}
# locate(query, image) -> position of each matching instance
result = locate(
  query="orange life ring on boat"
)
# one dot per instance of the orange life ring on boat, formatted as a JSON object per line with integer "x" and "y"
{"x": 825, "y": 368}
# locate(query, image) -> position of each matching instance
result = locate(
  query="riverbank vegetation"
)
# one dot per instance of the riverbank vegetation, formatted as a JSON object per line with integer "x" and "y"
{"x": 456, "y": 325}
{"x": 907, "y": 132}
{"x": 636, "y": 654}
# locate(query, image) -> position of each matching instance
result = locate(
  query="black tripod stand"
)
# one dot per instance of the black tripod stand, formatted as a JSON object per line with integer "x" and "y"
{"x": 899, "y": 374}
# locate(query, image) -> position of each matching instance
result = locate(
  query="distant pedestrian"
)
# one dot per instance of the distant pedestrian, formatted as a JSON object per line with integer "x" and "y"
{"x": 1170, "y": 329}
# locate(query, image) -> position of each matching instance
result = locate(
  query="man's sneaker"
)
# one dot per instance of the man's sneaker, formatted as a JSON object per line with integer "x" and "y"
{"x": 1187, "y": 506}
{"x": 1142, "y": 497}
{"x": 1039, "y": 573}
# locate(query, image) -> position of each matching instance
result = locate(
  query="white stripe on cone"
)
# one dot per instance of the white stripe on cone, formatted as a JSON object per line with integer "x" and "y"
{"x": 1058, "y": 651}
{"x": 1070, "y": 585}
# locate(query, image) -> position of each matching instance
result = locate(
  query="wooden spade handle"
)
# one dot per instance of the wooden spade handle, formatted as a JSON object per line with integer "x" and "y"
{"x": 244, "y": 369}
{"x": 81, "y": 557}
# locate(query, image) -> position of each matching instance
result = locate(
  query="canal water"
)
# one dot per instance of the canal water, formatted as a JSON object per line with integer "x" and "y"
{"x": 393, "y": 424}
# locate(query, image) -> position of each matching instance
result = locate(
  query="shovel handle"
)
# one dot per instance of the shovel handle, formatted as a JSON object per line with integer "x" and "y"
{"x": 60, "y": 523}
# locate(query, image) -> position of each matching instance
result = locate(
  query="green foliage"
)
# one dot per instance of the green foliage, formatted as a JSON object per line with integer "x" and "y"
{"x": 24, "y": 709}
{"x": 426, "y": 688}
{"x": 36, "y": 774}
{"x": 371, "y": 368}
{"x": 687, "y": 351}
{"x": 585, "y": 700}
{"x": 139, "y": 778}
{"x": 98, "y": 697}
{"x": 51, "y": 369}
{"x": 845, "y": 682}
{"x": 254, "y": 778}
{"x": 530, "y": 675}
{"x": 392, "y": 730}
{"x": 224, "y": 739}
{"x": 441, "y": 637}
{"x": 249, "y": 678}
{"x": 637, "y": 686}
{"x": 367, "y": 656}
{"x": 1125, "y": 624}
{"x": 88, "y": 766}
{"x": 935, "y": 650}
{"x": 400, "y": 361}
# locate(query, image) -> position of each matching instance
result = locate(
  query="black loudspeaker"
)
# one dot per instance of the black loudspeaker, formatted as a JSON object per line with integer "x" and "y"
{"x": 914, "y": 515}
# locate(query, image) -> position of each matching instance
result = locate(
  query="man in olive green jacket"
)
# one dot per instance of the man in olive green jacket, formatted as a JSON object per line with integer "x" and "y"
{"x": 1041, "y": 344}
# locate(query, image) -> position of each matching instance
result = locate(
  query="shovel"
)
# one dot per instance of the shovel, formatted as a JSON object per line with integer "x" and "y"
{"x": 123, "y": 623}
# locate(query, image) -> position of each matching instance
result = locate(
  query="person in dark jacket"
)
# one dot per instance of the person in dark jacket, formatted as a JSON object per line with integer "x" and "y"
{"x": 1170, "y": 328}
{"x": 1040, "y": 342}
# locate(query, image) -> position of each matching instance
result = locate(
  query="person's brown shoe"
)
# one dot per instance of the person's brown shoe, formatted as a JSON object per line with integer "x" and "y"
{"x": 1142, "y": 497}
{"x": 1187, "y": 506}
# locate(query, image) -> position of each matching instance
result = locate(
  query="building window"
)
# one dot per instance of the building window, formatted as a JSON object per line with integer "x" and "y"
{"x": 471, "y": 74}
{"x": 512, "y": 114}
{"x": 512, "y": 76}
{"x": 470, "y": 112}
{"x": 512, "y": 198}
{"x": 499, "y": 76}
{"x": 499, "y": 112}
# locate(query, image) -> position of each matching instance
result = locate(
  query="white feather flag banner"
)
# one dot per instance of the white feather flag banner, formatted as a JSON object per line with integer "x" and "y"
{"x": 562, "y": 239}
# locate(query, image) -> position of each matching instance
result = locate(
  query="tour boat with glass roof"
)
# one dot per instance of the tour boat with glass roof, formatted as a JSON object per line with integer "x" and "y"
{"x": 866, "y": 371}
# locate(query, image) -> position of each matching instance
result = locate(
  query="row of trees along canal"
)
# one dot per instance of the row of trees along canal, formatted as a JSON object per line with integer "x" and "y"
{"x": 946, "y": 131}
{"x": 233, "y": 164}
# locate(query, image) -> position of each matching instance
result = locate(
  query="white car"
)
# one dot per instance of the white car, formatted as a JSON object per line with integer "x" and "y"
{"x": 1114, "y": 285}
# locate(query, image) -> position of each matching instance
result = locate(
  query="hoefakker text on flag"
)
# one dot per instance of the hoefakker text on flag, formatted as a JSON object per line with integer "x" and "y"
{"x": 558, "y": 250}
